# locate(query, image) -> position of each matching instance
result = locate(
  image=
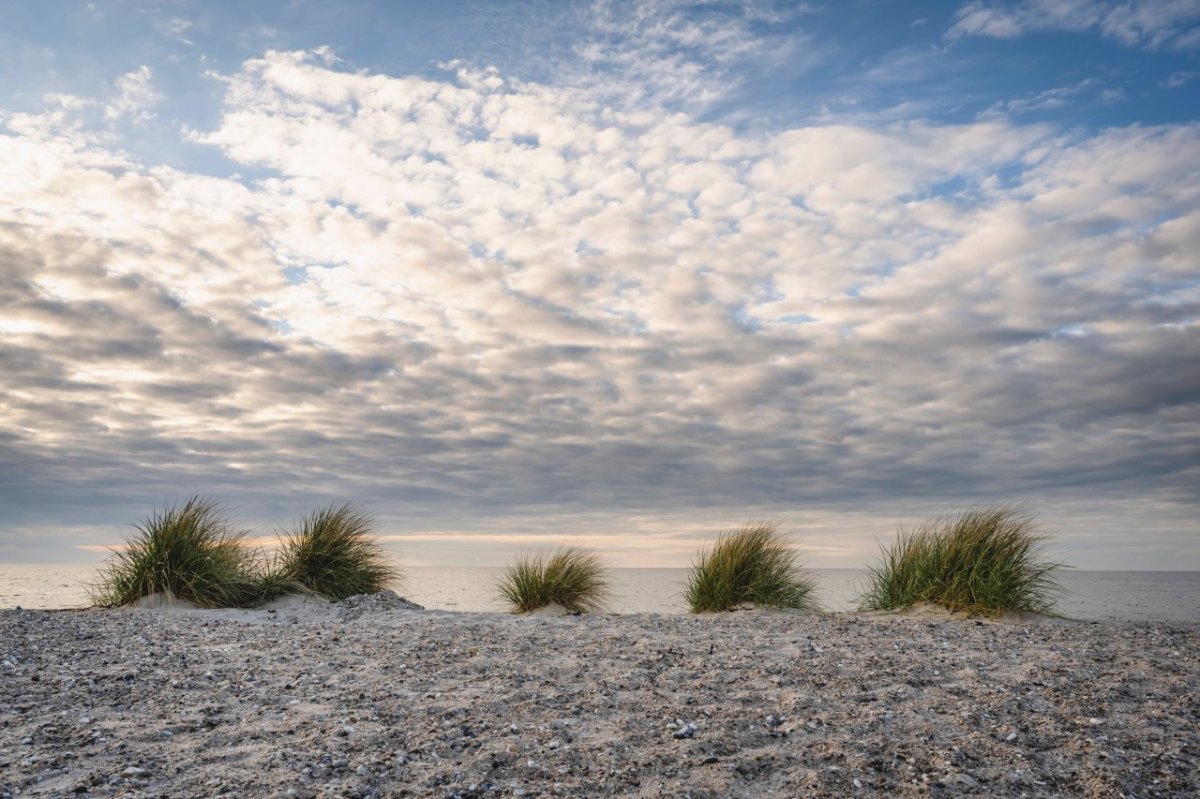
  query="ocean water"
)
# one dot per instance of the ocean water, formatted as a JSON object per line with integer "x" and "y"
{"x": 1088, "y": 595}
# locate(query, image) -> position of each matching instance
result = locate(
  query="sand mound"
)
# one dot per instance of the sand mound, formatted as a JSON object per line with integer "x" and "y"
{"x": 297, "y": 603}
{"x": 163, "y": 601}
{"x": 553, "y": 610}
{"x": 928, "y": 611}
{"x": 384, "y": 601}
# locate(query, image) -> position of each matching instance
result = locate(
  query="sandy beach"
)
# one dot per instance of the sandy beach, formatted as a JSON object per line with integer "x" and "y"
{"x": 371, "y": 699}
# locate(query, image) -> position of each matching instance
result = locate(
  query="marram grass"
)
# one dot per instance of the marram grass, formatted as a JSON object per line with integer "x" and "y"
{"x": 188, "y": 552}
{"x": 571, "y": 577}
{"x": 985, "y": 561}
{"x": 333, "y": 553}
{"x": 755, "y": 563}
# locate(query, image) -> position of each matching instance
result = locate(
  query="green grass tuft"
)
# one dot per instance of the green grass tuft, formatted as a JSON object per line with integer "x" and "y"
{"x": 983, "y": 562}
{"x": 189, "y": 552}
{"x": 755, "y": 563}
{"x": 570, "y": 577}
{"x": 332, "y": 553}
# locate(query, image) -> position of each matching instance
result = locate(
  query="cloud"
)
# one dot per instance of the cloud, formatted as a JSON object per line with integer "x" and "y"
{"x": 679, "y": 51}
{"x": 136, "y": 95}
{"x": 474, "y": 302}
{"x": 1147, "y": 23}
{"x": 1181, "y": 78}
{"x": 1089, "y": 91}
{"x": 175, "y": 28}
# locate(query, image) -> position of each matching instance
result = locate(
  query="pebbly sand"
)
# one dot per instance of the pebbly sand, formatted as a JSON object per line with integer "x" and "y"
{"x": 370, "y": 698}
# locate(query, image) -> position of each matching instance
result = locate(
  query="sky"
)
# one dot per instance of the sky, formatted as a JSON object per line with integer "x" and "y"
{"x": 618, "y": 274}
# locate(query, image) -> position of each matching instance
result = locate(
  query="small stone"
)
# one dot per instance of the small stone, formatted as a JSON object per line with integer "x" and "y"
{"x": 133, "y": 771}
{"x": 857, "y": 783}
{"x": 686, "y": 731}
{"x": 1012, "y": 736}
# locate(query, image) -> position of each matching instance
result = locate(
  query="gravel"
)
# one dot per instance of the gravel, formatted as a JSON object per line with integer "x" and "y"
{"x": 373, "y": 698}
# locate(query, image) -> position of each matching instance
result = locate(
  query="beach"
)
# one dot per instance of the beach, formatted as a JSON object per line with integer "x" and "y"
{"x": 370, "y": 698}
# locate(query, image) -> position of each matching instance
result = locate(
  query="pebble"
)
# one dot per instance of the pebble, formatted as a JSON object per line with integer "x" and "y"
{"x": 686, "y": 731}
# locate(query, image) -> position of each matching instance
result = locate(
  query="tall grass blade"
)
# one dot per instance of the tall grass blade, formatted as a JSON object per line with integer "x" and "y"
{"x": 332, "y": 552}
{"x": 188, "y": 552}
{"x": 571, "y": 577}
{"x": 985, "y": 561}
{"x": 755, "y": 563}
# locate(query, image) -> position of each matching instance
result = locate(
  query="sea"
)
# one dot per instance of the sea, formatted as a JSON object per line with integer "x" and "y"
{"x": 1087, "y": 595}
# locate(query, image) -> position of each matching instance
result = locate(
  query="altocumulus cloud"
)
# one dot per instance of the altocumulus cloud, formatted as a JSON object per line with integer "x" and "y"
{"x": 1173, "y": 24}
{"x": 477, "y": 304}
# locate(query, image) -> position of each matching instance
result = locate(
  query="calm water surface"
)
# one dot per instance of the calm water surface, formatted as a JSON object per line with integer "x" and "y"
{"x": 1118, "y": 596}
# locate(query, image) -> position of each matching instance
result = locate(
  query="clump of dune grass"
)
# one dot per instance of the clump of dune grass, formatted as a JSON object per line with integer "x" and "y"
{"x": 755, "y": 563}
{"x": 188, "y": 552}
{"x": 571, "y": 577}
{"x": 985, "y": 561}
{"x": 333, "y": 553}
